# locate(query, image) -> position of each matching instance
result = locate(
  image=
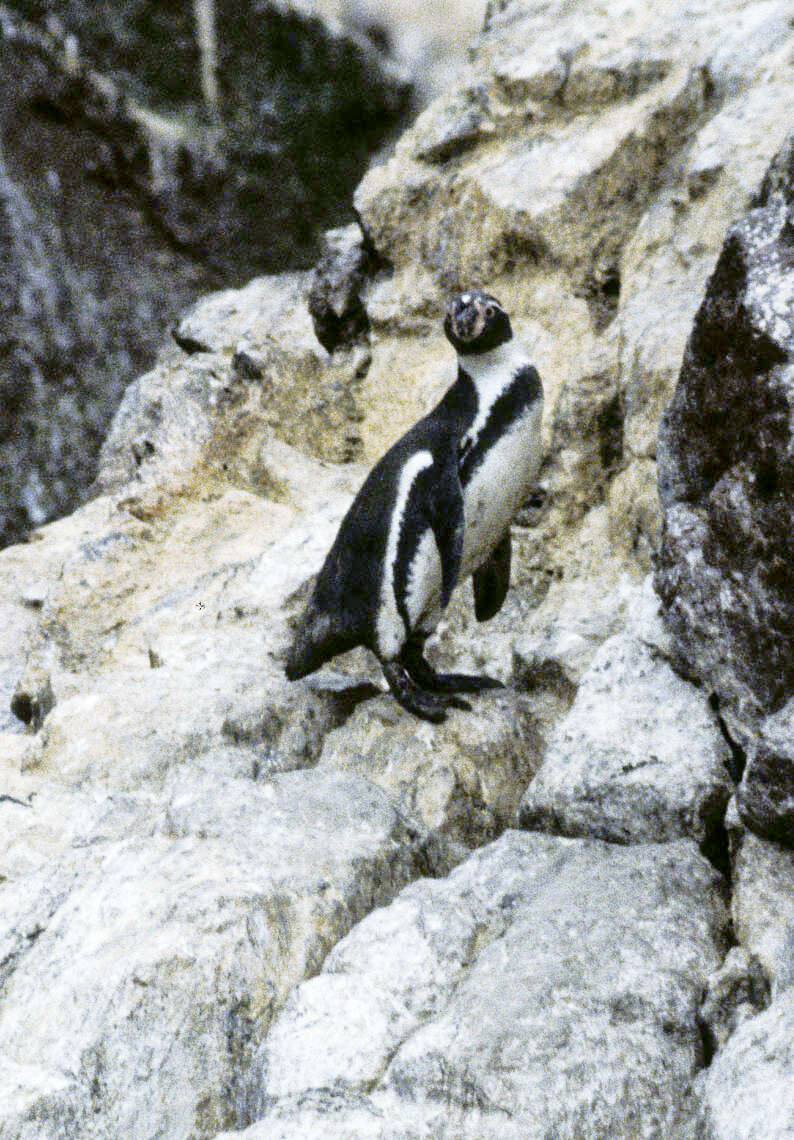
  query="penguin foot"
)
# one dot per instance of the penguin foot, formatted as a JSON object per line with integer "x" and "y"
{"x": 427, "y": 705}
{"x": 425, "y": 675}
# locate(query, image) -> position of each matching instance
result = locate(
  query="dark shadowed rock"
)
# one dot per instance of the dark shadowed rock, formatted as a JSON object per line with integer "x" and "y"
{"x": 335, "y": 301}
{"x": 765, "y": 797}
{"x": 140, "y": 167}
{"x": 726, "y": 480}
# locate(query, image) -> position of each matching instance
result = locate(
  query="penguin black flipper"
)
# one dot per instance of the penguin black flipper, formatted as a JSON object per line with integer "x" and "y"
{"x": 448, "y": 523}
{"x": 492, "y": 580}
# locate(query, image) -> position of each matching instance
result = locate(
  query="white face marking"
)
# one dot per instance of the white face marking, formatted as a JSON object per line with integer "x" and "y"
{"x": 390, "y": 627}
{"x": 466, "y": 298}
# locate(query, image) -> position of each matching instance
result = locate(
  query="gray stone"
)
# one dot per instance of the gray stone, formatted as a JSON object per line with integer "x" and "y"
{"x": 765, "y": 797}
{"x": 462, "y": 779}
{"x": 166, "y": 953}
{"x": 727, "y": 483}
{"x": 638, "y": 758}
{"x": 511, "y": 999}
{"x": 762, "y": 904}
{"x": 334, "y": 300}
{"x": 748, "y": 1091}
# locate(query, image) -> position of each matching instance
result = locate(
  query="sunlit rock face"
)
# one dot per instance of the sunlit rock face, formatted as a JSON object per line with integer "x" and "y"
{"x": 231, "y": 905}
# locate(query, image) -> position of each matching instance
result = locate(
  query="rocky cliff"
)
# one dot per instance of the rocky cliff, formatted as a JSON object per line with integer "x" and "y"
{"x": 149, "y": 153}
{"x": 234, "y": 906}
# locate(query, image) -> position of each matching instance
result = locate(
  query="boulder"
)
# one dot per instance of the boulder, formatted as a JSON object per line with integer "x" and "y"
{"x": 727, "y": 487}
{"x": 765, "y": 796}
{"x": 749, "y": 1089}
{"x": 502, "y": 1002}
{"x": 639, "y": 757}
{"x": 762, "y": 903}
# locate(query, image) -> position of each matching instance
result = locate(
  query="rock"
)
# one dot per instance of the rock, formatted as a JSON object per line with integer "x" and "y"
{"x": 765, "y": 797}
{"x": 727, "y": 489}
{"x": 335, "y": 304}
{"x": 497, "y": 1003}
{"x": 638, "y": 758}
{"x": 748, "y": 1091}
{"x": 737, "y": 991}
{"x": 580, "y": 626}
{"x": 138, "y": 148}
{"x": 167, "y": 955}
{"x": 762, "y": 905}
{"x": 461, "y": 779}
{"x": 187, "y": 412}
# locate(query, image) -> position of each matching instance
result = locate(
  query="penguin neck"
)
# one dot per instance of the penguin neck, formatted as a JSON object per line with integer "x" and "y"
{"x": 491, "y": 372}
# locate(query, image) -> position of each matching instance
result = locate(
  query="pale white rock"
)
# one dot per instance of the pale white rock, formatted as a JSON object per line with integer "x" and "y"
{"x": 162, "y": 954}
{"x": 639, "y": 757}
{"x": 748, "y": 1091}
{"x": 265, "y": 312}
{"x": 762, "y": 904}
{"x": 580, "y": 619}
{"x": 520, "y": 997}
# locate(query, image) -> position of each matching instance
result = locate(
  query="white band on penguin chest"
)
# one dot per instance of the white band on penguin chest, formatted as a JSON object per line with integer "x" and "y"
{"x": 492, "y": 373}
{"x": 390, "y": 627}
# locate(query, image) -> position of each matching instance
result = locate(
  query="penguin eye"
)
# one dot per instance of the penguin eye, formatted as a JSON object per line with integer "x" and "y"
{"x": 489, "y": 310}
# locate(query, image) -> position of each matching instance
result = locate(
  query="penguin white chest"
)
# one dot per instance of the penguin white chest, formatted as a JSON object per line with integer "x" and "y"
{"x": 499, "y": 485}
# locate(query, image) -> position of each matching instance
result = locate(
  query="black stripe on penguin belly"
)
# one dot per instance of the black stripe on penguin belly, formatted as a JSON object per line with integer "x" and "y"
{"x": 524, "y": 389}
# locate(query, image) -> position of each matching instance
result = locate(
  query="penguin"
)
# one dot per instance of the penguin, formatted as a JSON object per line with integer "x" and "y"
{"x": 433, "y": 511}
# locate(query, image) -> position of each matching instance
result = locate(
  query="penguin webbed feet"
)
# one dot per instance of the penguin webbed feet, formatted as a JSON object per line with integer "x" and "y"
{"x": 427, "y": 694}
{"x": 425, "y": 675}
{"x": 417, "y": 700}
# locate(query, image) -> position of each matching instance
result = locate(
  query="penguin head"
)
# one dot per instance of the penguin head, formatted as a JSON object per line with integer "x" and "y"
{"x": 476, "y": 322}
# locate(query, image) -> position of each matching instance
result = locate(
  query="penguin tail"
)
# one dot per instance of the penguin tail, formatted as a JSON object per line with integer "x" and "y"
{"x": 317, "y": 640}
